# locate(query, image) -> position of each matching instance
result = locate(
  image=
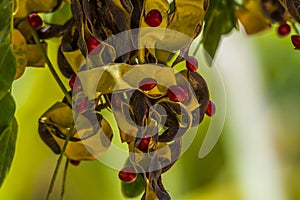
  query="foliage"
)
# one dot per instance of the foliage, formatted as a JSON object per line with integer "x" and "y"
{"x": 8, "y": 124}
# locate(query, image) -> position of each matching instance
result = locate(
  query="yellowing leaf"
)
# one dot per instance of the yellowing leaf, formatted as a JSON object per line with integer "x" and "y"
{"x": 20, "y": 51}
{"x": 35, "y": 57}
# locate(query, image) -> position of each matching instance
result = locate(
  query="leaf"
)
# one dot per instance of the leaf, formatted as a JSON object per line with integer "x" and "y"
{"x": 7, "y": 143}
{"x": 3, "y": 16}
{"x": 35, "y": 57}
{"x": 20, "y": 51}
{"x": 7, "y": 110}
{"x": 7, "y": 59}
{"x": 8, "y": 124}
{"x": 7, "y": 68}
{"x": 219, "y": 20}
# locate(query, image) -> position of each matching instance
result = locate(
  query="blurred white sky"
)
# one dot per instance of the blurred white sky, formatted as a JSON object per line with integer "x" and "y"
{"x": 250, "y": 135}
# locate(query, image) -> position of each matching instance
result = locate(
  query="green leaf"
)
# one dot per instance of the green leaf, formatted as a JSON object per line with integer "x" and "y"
{"x": 7, "y": 143}
{"x": 7, "y": 111}
{"x": 133, "y": 189}
{"x": 8, "y": 124}
{"x": 3, "y": 16}
{"x": 219, "y": 20}
{"x": 7, "y": 58}
{"x": 7, "y": 68}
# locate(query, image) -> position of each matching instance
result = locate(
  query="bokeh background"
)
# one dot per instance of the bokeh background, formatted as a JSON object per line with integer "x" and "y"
{"x": 257, "y": 156}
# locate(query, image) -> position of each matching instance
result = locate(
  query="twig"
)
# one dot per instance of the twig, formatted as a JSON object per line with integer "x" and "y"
{"x": 59, "y": 162}
{"x": 63, "y": 188}
{"x": 52, "y": 70}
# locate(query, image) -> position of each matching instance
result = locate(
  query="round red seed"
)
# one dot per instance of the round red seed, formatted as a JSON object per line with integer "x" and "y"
{"x": 75, "y": 162}
{"x": 211, "y": 109}
{"x": 128, "y": 174}
{"x": 35, "y": 21}
{"x": 296, "y": 41}
{"x": 284, "y": 29}
{"x": 92, "y": 43}
{"x": 153, "y": 18}
{"x": 147, "y": 84}
{"x": 144, "y": 144}
{"x": 191, "y": 64}
{"x": 178, "y": 93}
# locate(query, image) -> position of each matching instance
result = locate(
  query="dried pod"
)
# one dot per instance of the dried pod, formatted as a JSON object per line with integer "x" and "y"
{"x": 85, "y": 144}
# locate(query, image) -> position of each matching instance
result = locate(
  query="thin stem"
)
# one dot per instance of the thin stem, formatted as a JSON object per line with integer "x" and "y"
{"x": 69, "y": 99}
{"x": 52, "y": 70}
{"x": 64, "y": 179}
{"x": 55, "y": 173}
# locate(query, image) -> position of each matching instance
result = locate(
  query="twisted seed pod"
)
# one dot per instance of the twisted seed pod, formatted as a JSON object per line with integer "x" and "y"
{"x": 293, "y": 6}
{"x": 55, "y": 124}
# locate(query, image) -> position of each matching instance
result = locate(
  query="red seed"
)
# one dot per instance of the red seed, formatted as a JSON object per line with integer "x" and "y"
{"x": 82, "y": 106}
{"x": 211, "y": 109}
{"x": 178, "y": 93}
{"x": 153, "y": 18}
{"x": 191, "y": 64}
{"x": 128, "y": 174}
{"x": 35, "y": 21}
{"x": 75, "y": 162}
{"x": 72, "y": 81}
{"x": 284, "y": 29}
{"x": 296, "y": 41}
{"x": 144, "y": 144}
{"x": 92, "y": 43}
{"x": 147, "y": 111}
{"x": 147, "y": 84}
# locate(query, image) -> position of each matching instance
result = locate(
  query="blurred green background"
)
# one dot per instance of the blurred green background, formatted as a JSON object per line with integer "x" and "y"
{"x": 215, "y": 177}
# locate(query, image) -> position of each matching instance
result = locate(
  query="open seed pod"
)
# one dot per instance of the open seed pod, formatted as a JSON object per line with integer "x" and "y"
{"x": 87, "y": 144}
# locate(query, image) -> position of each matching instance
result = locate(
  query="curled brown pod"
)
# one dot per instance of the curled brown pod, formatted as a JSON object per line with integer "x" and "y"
{"x": 293, "y": 6}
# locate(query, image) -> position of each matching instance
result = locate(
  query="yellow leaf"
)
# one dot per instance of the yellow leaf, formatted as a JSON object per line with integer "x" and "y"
{"x": 20, "y": 51}
{"x": 35, "y": 58}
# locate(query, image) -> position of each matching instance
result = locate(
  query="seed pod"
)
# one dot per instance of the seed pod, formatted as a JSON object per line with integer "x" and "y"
{"x": 56, "y": 123}
{"x": 293, "y": 6}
